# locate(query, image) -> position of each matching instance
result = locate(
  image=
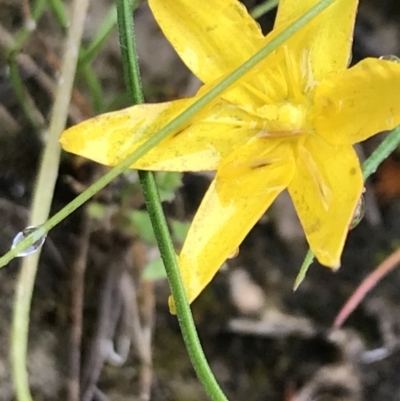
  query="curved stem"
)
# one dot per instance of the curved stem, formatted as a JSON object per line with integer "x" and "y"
{"x": 366, "y": 286}
{"x": 183, "y": 311}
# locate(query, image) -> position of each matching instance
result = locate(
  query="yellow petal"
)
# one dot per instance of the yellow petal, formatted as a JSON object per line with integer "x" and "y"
{"x": 325, "y": 190}
{"x": 359, "y": 103}
{"x": 327, "y": 38}
{"x": 109, "y": 138}
{"x": 211, "y": 37}
{"x": 241, "y": 192}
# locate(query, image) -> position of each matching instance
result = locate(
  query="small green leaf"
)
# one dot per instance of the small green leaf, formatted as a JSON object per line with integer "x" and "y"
{"x": 96, "y": 210}
{"x": 155, "y": 270}
{"x": 179, "y": 230}
{"x": 167, "y": 184}
{"x": 142, "y": 226}
{"x": 303, "y": 269}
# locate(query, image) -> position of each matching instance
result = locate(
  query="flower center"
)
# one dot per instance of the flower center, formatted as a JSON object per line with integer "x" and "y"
{"x": 285, "y": 118}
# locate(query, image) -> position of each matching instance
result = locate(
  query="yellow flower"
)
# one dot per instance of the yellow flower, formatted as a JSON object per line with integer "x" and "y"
{"x": 290, "y": 123}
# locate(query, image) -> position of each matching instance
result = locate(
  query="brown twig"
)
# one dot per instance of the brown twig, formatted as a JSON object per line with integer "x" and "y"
{"x": 110, "y": 309}
{"x": 148, "y": 317}
{"x": 139, "y": 328}
{"x": 77, "y": 290}
{"x": 367, "y": 285}
{"x": 143, "y": 320}
{"x": 8, "y": 122}
{"x": 26, "y": 9}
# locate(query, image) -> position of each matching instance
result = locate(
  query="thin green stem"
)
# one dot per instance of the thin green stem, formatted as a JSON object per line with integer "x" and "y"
{"x": 58, "y": 8}
{"x": 13, "y": 48}
{"x": 103, "y": 33}
{"x": 184, "y": 314}
{"x": 263, "y": 8}
{"x": 38, "y": 9}
{"x": 94, "y": 85}
{"x": 385, "y": 148}
{"x": 303, "y": 269}
{"x": 29, "y": 26}
{"x": 42, "y": 201}
{"x": 188, "y": 113}
{"x": 154, "y": 207}
{"x": 29, "y": 108}
{"x": 127, "y": 39}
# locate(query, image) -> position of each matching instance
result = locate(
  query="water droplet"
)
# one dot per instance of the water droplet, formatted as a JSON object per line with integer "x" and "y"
{"x": 390, "y": 57}
{"x": 40, "y": 237}
{"x": 390, "y": 122}
{"x": 234, "y": 253}
{"x": 358, "y": 213}
{"x": 30, "y": 24}
{"x": 350, "y": 59}
{"x": 18, "y": 190}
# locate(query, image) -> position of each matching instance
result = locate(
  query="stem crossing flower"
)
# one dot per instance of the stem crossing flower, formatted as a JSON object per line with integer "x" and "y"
{"x": 290, "y": 123}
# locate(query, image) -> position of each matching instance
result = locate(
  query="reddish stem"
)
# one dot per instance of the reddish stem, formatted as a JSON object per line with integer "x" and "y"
{"x": 367, "y": 285}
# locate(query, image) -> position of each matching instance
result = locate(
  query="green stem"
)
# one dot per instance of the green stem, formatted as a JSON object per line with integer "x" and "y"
{"x": 24, "y": 98}
{"x": 58, "y": 8}
{"x": 29, "y": 26}
{"x": 127, "y": 39}
{"x": 154, "y": 207}
{"x": 105, "y": 30}
{"x": 191, "y": 111}
{"x": 28, "y": 105}
{"x": 94, "y": 85}
{"x": 385, "y": 148}
{"x": 307, "y": 262}
{"x": 184, "y": 314}
{"x": 263, "y": 8}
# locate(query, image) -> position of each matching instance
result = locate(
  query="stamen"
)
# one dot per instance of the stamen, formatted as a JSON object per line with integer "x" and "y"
{"x": 293, "y": 78}
{"x": 261, "y": 95}
{"x": 307, "y": 72}
{"x": 322, "y": 186}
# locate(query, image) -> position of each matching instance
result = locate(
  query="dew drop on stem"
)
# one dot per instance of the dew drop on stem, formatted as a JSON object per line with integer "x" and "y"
{"x": 41, "y": 237}
{"x": 390, "y": 57}
{"x": 358, "y": 214}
